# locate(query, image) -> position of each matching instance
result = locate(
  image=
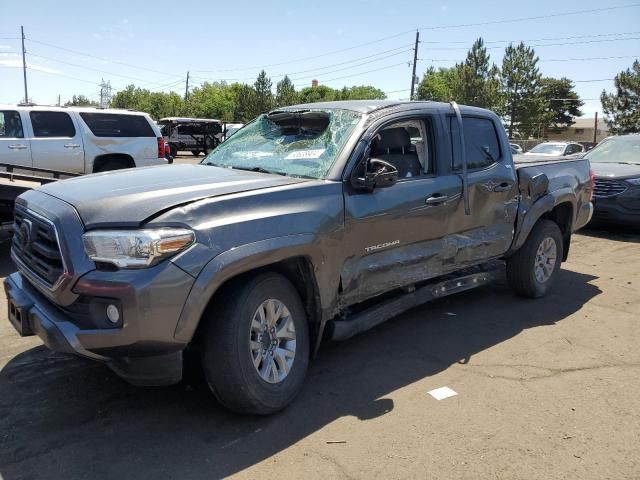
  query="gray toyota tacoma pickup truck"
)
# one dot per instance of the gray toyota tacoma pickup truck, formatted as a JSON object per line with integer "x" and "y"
{"x": 313, "y": 222}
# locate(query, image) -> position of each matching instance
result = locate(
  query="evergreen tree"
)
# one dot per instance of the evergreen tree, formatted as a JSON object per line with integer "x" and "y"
{"x": 244, "y": 107}
{"x": 286, "y": 93}
{"x": 478, "y": 80}
{"x": 263, "y": 98}
{"x": 622, "y": 108}
{"x": 520, "y": 91}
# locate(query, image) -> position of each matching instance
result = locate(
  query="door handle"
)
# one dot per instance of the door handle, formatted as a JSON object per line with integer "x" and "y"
{"x": 72, "y": 145}
{"x": 503, "y": 187}
{"x": 17, "y": 146}
{"x": 437, "y": 199}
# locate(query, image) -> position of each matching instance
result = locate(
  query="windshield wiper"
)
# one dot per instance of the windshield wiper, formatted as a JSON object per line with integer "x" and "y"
{"x": 259, "y": 169}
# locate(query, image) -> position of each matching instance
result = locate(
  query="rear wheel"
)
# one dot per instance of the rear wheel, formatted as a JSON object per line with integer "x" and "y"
{"x": 195, "y": 153}
{"x": 533, "y": 268}
{"x": 209, "y": 145}
{"x": 174, "y": 150}
{"x": 256, "y": 346}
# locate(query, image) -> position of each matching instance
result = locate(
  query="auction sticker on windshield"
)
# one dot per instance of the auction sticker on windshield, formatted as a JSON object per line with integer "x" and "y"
{"x": 302, "y": 154}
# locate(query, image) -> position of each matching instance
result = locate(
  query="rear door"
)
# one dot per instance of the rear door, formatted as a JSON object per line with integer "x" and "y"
{"x": 14, "y": 146}
{"x": 395, "y": 236}
{"x": 57, "y": 141}
{"x": 493, "y": 192}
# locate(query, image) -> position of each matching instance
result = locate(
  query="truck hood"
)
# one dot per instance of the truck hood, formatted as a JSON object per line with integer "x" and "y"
{"x": 129, "y": 197}
{"x": 615, "y": 170}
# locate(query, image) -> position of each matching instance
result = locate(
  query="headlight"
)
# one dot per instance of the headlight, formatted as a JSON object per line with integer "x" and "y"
{"x": 633, "y": 181}
{"x": 135, "y": 248}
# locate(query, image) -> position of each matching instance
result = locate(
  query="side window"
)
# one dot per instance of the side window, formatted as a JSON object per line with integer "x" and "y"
{"x": 115, "y": 125}
{"x": 480, "y": 140}
{"x": 406, "y": 145}
{"x": 10, "y": 124}
{"x": 52, "y": 124}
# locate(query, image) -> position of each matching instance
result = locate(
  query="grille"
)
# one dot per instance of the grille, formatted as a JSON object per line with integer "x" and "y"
{"x": 608, "y": 188}
{"x": 35, "y": 244}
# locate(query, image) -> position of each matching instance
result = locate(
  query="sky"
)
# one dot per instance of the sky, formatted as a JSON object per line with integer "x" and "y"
{"x": 72, "y": 46}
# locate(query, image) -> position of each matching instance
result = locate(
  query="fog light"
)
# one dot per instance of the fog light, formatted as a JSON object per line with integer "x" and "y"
{"x": 113, "y": 314}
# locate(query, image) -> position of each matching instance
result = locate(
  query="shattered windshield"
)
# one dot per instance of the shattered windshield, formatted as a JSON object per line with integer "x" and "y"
{"x": 302, "y": 143}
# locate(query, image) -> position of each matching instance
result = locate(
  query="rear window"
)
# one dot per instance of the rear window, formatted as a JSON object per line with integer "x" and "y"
{"x": 115, "y": 125}
{"x": 52, "y": 124}
{"x": 481, "y": 144}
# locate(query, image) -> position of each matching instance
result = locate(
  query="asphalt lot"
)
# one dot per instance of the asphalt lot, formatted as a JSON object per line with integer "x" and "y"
{"x": 546, "y": 389}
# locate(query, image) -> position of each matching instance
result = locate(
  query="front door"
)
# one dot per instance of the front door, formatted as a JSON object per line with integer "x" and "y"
{"x": 395, "y": 236}
{"x": 14, "y": 147}
{"x": 493, "y": 194}
{"x": 57, "y": 142}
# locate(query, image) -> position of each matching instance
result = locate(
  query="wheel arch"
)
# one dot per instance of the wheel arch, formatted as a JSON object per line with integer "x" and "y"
{"x": 292, "y": 256}
{"x": 101, "y": 160}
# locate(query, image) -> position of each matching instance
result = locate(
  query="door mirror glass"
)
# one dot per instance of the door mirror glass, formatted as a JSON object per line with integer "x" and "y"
{"x": 378, "y": 174}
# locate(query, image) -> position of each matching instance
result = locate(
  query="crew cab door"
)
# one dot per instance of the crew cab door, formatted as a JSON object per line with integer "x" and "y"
{"x": 57, "y": 141}
{"x": 395, "y": 236}
{"x": 493, "y": 192}
{"x": 14, "y": 144}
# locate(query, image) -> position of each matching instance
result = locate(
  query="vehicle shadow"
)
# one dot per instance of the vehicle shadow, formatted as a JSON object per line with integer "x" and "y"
{"x": 64, "y": 417}
{"x": 621, "y": 233}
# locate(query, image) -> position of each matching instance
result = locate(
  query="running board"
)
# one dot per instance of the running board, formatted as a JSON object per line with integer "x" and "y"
{"x": 377, "y": 314}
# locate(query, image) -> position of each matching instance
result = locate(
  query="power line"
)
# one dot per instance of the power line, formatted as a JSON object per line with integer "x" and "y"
{"x": 469, "y": 42}
{"x": 363, "y": 73}
{"x": 99, "y": 58}
{"x": 91, "y": 68}
{"x": 405, "y": 46}
{"x": 542, "y": 60}
{"x": 544, "y": 44}
{"x": 537, "y": 17}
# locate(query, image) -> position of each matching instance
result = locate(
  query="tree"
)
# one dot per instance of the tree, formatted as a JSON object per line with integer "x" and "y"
{"x": 80, "y": 101}
{"x": 437, "y": 85}
{"x": 559, "y": 104}
{"x": 321, "y": 93}
{"x": 478, "y": 82}
{"x": 520, "y": 90}
{"x": 263, "y": 99}
{"x": 243, "y": 110}
{"x": 622, "y": 108}
{"x": 286, "y": 93}
{"x": 156, "y": 104}
{"x": 213, "y": 100}
{"x": 360, "y": 92}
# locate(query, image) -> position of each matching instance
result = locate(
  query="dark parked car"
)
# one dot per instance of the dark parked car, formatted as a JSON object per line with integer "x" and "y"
{"x": 312, "y": 222}
{"x": 616, "y": 164}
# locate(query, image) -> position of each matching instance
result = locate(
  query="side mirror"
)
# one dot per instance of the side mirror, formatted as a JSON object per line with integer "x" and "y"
{"x": 378, "y": 174}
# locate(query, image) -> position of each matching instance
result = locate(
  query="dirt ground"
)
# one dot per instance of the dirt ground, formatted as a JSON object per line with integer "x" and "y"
{"x": 547, "y": 389}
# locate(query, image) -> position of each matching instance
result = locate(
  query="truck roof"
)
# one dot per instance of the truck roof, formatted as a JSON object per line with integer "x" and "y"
{"x": 51, "y": 108}
{"x": 370, "y": 106}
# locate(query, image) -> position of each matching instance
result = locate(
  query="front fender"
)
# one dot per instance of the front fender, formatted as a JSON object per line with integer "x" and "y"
{"x": 239, "y": 260}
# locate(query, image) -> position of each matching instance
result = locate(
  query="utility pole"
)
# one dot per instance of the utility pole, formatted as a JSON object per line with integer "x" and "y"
{"x": 595, "y": 129}
{"x": 415, "y": 60}
{"x": 58, "y": 99}
{"x": 186, "y": 90}
{"x": 24, "y": 67}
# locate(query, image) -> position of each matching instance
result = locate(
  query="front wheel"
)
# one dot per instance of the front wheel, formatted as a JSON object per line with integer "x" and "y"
{"x": 533, "y": 268}
{"x": 256, "y": 346}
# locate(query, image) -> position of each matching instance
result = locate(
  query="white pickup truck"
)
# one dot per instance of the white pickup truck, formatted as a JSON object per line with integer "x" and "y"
{"x": 78, "y": 140}
{"x": 41, "y": 144}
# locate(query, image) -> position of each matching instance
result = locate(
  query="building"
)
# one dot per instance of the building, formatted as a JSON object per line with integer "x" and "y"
{"x": 582, "y": 131}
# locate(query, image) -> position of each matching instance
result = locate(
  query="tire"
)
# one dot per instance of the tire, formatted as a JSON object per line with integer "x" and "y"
{"x": 114, "y": 164}
{"x": 525, "y": 279}
{"x": 228, "y": 358}
{"x": 195, "y": 153}
{"x": 174, "y": 150}
{"x": 209, "y": 145}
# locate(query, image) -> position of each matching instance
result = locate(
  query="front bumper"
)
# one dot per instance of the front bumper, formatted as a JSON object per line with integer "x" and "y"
{"x": 141, "y": 349}
{"x": 622, "y": 209}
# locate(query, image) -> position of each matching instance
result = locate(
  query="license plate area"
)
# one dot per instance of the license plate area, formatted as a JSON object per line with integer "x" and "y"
{"x": 19, "y": 317}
